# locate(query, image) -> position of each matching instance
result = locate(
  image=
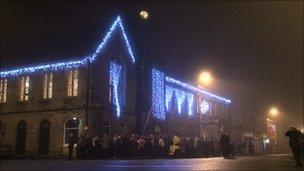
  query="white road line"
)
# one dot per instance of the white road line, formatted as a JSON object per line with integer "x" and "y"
{"x": 170, "y": 166}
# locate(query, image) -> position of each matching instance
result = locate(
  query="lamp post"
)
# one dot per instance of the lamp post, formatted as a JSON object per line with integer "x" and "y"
{"x": 205, "y": 79}
{"x": 273, "y": 124}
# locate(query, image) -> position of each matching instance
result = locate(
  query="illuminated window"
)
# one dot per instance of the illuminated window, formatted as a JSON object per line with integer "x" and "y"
{"x": 3, "y": 90}
{"x": 73, "y": 83}
{"x": 71, "y": 130}
{"x": 24, "y": 88}
{"x": 47, "y": 86}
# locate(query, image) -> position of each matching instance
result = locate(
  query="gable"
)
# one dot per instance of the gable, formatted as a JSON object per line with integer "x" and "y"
{"x": 117, "y": 24}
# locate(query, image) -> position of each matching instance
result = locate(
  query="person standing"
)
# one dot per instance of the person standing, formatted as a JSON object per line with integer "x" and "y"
{"x": 71, "y": 142}
{"x": 176, "y": 141}
{"x": 225, "y": 145}
{"x": 95, "y": 147}
{"x": 161, "y": 147}
{"x": 105, "y": 142}
{"x": 295, "y": 138}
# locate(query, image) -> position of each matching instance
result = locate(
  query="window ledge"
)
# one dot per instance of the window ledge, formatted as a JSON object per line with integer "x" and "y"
{"x": 45, "y": 101}
{"x": 22, "y": 102}
{"x": 68, "y": 99}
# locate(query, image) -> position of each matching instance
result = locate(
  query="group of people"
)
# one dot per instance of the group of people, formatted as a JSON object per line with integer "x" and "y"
{"x": 151, "y": 146}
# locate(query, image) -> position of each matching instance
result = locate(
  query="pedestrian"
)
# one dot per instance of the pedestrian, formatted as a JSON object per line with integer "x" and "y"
{"x": 141, "y": 146}
{"x": 105, "y": 144}
{"x": 225, "y": 144}
{"x": 81, "y": 147}
{"x": 133, "y": 145}
{"x": 87, "y": 146}
{"x": 71, "y": 142}
{"x": 95, "y": 147}
{"x": 176, "y": 143}
{"x": 295, "y": 138}
{"x": 161, "y": 146}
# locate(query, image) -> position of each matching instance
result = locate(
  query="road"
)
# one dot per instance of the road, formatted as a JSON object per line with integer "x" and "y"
{"x": 265, "y": 162}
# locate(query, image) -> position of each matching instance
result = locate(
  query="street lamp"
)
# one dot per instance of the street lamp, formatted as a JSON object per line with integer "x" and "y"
{"x": 144, "y": 15}
{"x": 273, "y": 111}
{"x": 205, "y": 78}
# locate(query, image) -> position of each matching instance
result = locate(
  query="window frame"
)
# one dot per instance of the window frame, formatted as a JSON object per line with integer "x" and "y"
{"x": 48, "y": 85}
{"x": 73, "y": 83}
{"x": 65, "y": 128}
{"x": 24, "y": 85}
{"x": 3, "y": 90}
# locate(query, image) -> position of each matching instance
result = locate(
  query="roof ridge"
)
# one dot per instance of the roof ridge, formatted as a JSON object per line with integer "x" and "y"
{"x": 74, "y": 63}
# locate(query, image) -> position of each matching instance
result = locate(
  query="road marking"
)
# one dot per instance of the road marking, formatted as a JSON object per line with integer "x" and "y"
{"x": 170, "y": 166}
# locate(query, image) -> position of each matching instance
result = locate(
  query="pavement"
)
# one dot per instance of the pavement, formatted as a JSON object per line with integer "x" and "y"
{"x": 282, "y": 162}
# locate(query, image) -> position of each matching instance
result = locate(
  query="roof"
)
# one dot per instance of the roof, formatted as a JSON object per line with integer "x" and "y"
{"x": 82, "y": 45}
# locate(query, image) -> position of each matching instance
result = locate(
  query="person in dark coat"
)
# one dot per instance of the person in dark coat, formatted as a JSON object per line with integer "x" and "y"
{"x": 71, "y": 142}
{"x": 295, "y": 137}
{"x": 225, "y": 145}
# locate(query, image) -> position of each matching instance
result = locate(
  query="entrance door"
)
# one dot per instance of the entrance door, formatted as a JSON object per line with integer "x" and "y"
{"x": 21, "y": 137}
{"x": 44, "y": 137}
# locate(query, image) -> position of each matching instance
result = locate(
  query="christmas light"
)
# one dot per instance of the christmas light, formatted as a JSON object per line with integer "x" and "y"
{"x": 158, "y": 83}
{"x": 75, "y": 63}
{"x": 190, "y": 97}
{"x": 115, "y": 75}
{"x": 169, "y": 95}
{"x": 181, "y": 96}
{"x": 204, "y": 106}
{"x": 196, "y": 89}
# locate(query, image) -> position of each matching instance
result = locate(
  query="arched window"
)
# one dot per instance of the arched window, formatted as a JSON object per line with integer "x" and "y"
{"x": 21, "y": 137}
{"x": 71, "y": 129}
{"x": 106, "y": 127}
{"x": 44, "y": 137}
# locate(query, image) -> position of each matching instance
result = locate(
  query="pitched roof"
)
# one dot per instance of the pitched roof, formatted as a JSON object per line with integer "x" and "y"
{"x": 82, "y": 44}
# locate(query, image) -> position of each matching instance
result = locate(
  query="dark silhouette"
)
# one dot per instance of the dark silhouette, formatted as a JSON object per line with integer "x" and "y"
{"x": 225, "y": 145}
{"x": 71, "y": 142}
{"x": 295, "y": 138}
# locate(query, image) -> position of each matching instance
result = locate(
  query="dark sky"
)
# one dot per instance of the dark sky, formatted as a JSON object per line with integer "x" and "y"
{"x": 254, "y": 49}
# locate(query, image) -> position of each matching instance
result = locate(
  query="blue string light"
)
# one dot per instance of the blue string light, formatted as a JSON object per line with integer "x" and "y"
{"x": 204, "y": 106}
{"x": 158, "y": 83}
{"x": 75, "y": 63}
{"x": 190, "y": 97}
{"x": 115, "y": 76}
{"x": 169, "y": 95}
{"x": 181, "y": 96}
{"x": 196, "y": 89}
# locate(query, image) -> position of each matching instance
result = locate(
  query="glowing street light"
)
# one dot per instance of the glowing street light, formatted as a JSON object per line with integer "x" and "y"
{"x": 273, "y": 111}
{"x": 144, "y": 15}
{"x": 205, "y": 78}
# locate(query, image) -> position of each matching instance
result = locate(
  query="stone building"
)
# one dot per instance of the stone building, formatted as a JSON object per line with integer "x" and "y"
{"x": 42, "y": 105}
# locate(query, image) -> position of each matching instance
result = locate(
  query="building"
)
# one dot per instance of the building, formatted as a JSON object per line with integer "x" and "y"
{"x": 42, "y": 105}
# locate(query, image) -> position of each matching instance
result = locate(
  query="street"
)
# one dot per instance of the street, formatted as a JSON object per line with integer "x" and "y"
{"x": 265, "y": 162}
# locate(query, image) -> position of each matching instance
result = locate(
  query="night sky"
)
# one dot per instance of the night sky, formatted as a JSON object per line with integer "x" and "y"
{"x": 254, "y": 49}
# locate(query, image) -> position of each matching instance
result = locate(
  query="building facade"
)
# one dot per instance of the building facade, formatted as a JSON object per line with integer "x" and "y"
{"x": 42, "y": 105}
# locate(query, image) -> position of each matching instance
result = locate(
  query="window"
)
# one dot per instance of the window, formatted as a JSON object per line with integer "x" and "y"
{"x": 73, "y": 83}
{"x": 47, "y": 86}
{"x": 106, "y": 127}
{"x": 3, "y": 90}
{"x": 24, "y": 88}
{"x": 21, "y": 137}
{"x": 71, "y": 129}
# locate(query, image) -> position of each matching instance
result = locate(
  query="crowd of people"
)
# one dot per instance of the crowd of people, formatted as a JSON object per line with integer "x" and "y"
{"x": 151, "y": 146}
